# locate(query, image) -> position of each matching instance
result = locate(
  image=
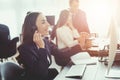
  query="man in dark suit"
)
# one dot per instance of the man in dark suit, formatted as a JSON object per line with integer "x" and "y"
{"x": 78, "y": 16}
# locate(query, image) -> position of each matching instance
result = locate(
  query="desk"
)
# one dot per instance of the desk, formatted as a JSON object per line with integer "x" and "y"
{"x": 92, "y": 72}
{"x": 99, "y": 48}
{"x": 98, "y": 45}
{"x": 95, "y": 51}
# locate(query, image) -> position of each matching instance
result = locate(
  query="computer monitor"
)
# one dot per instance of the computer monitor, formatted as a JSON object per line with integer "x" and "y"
{"x": 112, "y": 49}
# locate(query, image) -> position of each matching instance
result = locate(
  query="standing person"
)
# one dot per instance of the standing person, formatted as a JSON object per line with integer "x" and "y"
{"x": 79, "y": 20}
{"x": 34, "y": 50}
{"x": 78, "y": 17}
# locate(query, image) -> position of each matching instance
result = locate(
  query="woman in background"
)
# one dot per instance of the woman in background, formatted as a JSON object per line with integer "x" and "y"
{"x": 34, "y": 50}
{"x": 67, "y": 35}
{"x": 79, "y": 19}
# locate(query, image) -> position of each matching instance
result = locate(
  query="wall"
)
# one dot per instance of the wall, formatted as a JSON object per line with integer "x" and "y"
{"x": 98, "y": 12}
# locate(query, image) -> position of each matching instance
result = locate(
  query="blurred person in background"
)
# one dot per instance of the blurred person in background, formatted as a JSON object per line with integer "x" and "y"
{"x": 78, "y": 17}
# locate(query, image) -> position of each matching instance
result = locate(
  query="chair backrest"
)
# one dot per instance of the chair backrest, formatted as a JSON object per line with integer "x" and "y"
{"x": 4, "y": 34}
{"x": 7, "y": 46}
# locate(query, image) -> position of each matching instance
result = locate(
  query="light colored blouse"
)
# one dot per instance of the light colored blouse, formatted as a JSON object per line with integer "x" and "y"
{"x": 65, "y": 37}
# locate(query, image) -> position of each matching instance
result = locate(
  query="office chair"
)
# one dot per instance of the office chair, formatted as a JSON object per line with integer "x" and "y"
{"x": 7, "y": 46}
{"x": 11, "y": 71}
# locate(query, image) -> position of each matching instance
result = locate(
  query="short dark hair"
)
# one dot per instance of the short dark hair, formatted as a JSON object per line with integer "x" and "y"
{"x": 29, "y": 26}
{"x": 70, "y": 1}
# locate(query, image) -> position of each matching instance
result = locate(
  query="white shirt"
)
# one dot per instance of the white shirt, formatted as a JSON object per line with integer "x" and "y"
{"x": 65, "y": 37}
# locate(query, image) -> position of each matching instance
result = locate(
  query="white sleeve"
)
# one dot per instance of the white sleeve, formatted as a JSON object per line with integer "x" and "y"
{"x": 64, "y": 36}
{"x": 75, "y": 33}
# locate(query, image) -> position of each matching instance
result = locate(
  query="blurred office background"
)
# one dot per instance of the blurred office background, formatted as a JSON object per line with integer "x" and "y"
{"x": 98, "y": 12}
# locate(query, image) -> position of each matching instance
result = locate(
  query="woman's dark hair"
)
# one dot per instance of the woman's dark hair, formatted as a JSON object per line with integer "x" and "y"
{"x": 29, "y": 26}
{"x": 63, "y": 18}
{"x": 61, "y": 21}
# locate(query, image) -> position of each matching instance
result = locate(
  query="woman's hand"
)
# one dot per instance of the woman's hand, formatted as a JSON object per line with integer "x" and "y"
{"x": 82, "y": 39}
{"x": 38, "y": 40}
{"x": 85, "y": 35}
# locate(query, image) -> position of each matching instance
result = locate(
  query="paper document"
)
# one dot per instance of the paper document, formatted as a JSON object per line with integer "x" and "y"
{"x": 76, "y": 71}
{"x": 83, "y": 58}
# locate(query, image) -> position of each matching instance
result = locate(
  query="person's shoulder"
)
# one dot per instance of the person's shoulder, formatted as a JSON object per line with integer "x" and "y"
{"x": 62, "y": 28}
{"x": 81, "y": 11}
{"x": 58, "y": 30}
{"x": 21, "y": 47}
{"x": 24, "y": 46}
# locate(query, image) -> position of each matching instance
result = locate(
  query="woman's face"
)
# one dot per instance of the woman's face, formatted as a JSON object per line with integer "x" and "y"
{"x": 42, "y": 25}
{"x": 74, "y": 5}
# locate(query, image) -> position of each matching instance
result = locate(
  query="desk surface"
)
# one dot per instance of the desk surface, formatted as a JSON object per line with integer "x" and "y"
{"x": 92, "y": 72}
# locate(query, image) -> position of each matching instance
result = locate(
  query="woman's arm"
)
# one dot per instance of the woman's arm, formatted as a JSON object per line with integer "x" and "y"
{"x": 75, "y": 33}
{"x": 66, "y": 38}
{"x": 34, "y": 61}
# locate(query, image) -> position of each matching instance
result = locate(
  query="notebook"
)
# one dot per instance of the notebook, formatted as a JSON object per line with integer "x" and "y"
{"x": 76, "y": 71}
{"x": 83, "y": 58}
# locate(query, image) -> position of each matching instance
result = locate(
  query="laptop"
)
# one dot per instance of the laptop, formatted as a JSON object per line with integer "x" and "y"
{"x": 83, "y": 58}
{"x": 76, "y": 71}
